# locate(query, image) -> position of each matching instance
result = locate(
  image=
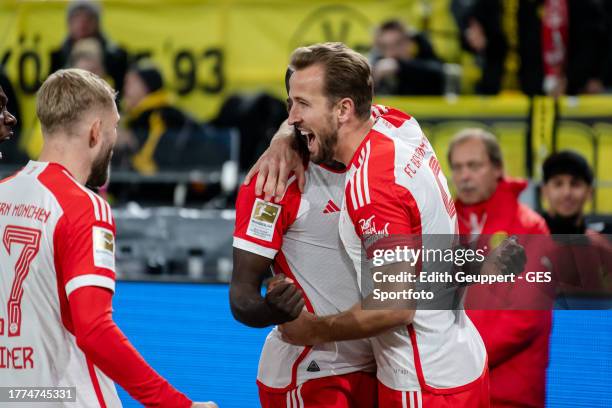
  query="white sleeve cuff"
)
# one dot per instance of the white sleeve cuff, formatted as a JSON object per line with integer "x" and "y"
{"x": 254, "y": 248}
{"x": 89, "y": 280}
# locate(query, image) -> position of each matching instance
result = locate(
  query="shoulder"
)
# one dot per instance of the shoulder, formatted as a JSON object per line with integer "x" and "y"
{"x": 78, "y": 203}
{"x": 531, "y": 222}
{"x": 247, "y": 195}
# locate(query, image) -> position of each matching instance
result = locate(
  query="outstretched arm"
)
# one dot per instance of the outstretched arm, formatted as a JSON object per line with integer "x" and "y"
{"x": 108, "y": 349}
{"x": 368, "y": 318}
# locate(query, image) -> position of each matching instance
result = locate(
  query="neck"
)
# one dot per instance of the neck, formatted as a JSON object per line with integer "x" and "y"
{"x": 575, "y": 220}
{"x": 350, "y": 137}
{"x": 67, "y": 155}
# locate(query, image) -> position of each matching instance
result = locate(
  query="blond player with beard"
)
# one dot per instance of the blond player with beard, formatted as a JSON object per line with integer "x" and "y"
{"x": 57, "y": 262}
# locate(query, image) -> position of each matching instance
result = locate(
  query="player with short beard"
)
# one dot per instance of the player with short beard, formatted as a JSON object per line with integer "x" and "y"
{"x": 57, "y": 269}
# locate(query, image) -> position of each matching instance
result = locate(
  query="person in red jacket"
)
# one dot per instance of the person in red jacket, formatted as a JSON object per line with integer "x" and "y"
{"x": 487, "y": 205}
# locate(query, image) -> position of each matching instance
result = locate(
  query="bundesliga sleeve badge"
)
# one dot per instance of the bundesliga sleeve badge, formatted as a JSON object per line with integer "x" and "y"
{"x": 103, "y": 248}
{"x": 263, "y": 220}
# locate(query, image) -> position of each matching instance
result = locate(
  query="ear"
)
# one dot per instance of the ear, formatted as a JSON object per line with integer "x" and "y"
{"x": 499, "y": 172}
{"x": 590, "y": 194}
{"x": 346, "y": 109}
{"x": 95, "y": 132}
{"x": 544, "y": 191}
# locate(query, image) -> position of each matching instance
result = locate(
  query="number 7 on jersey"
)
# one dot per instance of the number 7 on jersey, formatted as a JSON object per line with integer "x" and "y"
{"x": 29, "y": 239}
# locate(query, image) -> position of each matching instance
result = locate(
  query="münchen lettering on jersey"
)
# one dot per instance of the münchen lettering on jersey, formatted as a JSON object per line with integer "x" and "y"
{"x": 29, "y": 211}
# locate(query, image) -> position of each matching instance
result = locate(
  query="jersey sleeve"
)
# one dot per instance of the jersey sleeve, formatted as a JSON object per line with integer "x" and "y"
{"x": 260, "y": 225}
{"x": 108, "y": 348}
{"x": 84, "y": 243}
{"x": 390, "y": 219}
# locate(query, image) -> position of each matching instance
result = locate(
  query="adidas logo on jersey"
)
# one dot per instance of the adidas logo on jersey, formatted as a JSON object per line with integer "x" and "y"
{"x": 313, "y": 367}
{"x": 331, "y": 207}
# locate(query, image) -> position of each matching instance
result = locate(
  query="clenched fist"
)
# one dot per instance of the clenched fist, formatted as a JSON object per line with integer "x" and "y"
{"x": 284, "y": 299}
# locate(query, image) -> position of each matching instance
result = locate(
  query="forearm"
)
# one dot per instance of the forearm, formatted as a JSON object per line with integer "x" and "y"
{"x": 111, "y": 351}
{"x": 357, "y": 323}
{"x": 108, "y": 349}
{"x": 250, "y": 308}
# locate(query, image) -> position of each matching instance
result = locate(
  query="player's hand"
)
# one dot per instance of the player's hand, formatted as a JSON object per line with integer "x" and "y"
{"x": 208, "y": 404}
{"x": 275, "y": 165}
{"x": 284, "y": 299}
{"x": 508, "y": 258}
{"x": 301, "y": 331}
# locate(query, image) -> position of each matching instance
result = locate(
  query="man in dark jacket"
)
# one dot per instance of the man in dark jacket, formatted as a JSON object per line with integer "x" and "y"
{"x": 157, "y": 134}
{"x": 83, "y": 19}
{"x": 582, "y": 260}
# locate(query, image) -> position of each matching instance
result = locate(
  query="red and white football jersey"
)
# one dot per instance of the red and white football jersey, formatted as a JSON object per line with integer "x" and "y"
{"x": 301, "y": 234}
{"x": 394, "y": 186}
{"x": 57, "y": 236}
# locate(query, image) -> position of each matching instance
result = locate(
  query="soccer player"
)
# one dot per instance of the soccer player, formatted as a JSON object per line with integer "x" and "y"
{"x": 298, "y": 236}
{"x": 57, "y": 263}
{"x": 7, "y": 120}
{"x": 393, "y": 186}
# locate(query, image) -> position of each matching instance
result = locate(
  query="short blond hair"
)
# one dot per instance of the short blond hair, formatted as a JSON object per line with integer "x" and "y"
{"x": 67, "y": 94}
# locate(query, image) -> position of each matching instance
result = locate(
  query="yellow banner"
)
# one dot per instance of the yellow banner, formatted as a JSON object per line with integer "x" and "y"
{"x": 206, "y": 49}
{"x": 209, "y": 49}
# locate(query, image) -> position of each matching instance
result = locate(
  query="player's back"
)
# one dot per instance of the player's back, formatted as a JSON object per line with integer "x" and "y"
{"x": 41, "y": 209}
{"x": 395, "y": 187}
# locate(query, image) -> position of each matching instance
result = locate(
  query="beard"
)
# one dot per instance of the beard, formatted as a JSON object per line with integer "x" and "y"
{"x": 100, "y": 168}
{"x": 328, "y": 139}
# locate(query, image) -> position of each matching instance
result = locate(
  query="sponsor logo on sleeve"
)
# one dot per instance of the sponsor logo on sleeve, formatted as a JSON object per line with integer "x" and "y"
{"x": 103, "y": 248}
{"x": 263, "y": 220}
{"x": 370, "y": 233}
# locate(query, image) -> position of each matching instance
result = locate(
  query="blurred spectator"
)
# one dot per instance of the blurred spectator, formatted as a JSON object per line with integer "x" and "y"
{"x": 482, "y": 33}
{"x": 583, "y": 261}
{"x": 567, "y": 188}
{"x": 559, "y": 44}
{"x": 87, "y": 54}
{"x": 11, "y": 154}
{"x": 404, "y": 63}
{"x": 487, "y": 203}
{"x": 157, "y": 135}
{"x": 257, "y": 117}
{"x": 588, "y": 29}
{"x": 83, "y": 19}
{"x": 608, "y": 46}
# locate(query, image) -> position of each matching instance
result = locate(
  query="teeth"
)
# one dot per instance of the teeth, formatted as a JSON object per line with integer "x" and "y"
{"x": 304, "y": 133}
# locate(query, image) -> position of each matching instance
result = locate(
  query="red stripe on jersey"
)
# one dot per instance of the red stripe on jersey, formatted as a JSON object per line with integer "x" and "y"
{"x": 78, "y": 206}
{"x": 95, "y": 383}
{"x": 282, "y": 266}
{"x": 396, "y": 117}
{"x": 421, "y": 376}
